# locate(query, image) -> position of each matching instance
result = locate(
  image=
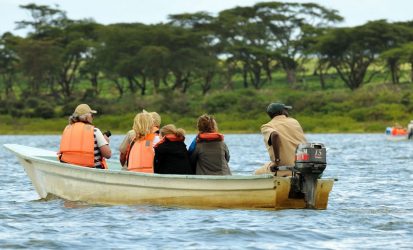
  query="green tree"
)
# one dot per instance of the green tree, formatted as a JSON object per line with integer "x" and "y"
{"x": 8, "y": 62}
{"x": 44, "y": 20}
{"x": 352, "y": 50}
{"x": 407, "y": 56}
{"x": 119, "y": 55}
{"x": 287, "y": 24}
{"x": 244, "y": 40}
{"x": 392, "y": 58}
{"x": 202, "y": 24}
{"x": 65, "y": 42}
{"x": 40, "y": 62}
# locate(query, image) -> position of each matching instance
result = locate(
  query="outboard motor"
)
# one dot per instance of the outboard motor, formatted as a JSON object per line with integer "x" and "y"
{"x": 310, "y": 162}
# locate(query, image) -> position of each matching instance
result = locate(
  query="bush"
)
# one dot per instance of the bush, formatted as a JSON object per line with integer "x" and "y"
{"x": 221, "y": 102}
{"x": 175, "y": 102}
{"x": 380, "y": 112}
{"x": 44, "y": 110}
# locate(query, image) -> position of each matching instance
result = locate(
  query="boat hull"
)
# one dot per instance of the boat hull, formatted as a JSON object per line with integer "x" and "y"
{"x": 114, "y": 186}
{"x": 396, "y": 137}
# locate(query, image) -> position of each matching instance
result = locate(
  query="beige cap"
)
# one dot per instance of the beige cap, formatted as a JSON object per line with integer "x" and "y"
{"x": 83, "y": 109}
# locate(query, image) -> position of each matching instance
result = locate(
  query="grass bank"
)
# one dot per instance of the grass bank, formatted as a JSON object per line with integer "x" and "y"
{"x": 368, "y": 109}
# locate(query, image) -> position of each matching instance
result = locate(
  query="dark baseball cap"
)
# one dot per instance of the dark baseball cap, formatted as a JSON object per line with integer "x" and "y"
{"x": 276, "y": 107}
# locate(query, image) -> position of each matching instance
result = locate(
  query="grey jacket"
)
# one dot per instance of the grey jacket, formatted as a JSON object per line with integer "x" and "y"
{"x": 210, "y": 158}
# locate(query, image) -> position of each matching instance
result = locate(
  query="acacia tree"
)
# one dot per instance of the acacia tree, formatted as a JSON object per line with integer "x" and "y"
{"x": 40, "y": 62}
{"x": 352, "y": 50}
{"x": 407, "y": 57}
{"x": 120, "y": 56}
{"x": 397, "y": 35}
{"x": 392, "y": 58}
{"x": 79, "y": 41}
{"x": 69, "y": 41}
{"x": 154, "y": 55}
{"x": 8, "y": 62}
{"x": 203, "y": 25}
{"x": 186, "y": 51}
{"x": 287, "y": 24}
{"x": 244, "y": 40}
{"x": 154, "y": 63}
{"x": 44, "y": 20}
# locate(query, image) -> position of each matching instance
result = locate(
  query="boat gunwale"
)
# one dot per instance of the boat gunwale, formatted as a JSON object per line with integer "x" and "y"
{"x": 43, "y": 159}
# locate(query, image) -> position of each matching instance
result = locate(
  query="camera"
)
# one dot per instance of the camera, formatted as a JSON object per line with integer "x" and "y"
{"x": 107, "y": 133}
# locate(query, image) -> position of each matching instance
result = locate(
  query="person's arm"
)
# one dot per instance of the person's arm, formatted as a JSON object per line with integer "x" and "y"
{"x": 124, "y": 146}
{"x": 192, "y": 147}
{"x": 122, "y": 158}
{"x": 105, "y": 151}
{"x": 274, "y": 141}
{"x": 193, "y": 158}
{"x": 226, "y": 152}
{"x": 103, "y": 144}
{"x": 157, "y": 161}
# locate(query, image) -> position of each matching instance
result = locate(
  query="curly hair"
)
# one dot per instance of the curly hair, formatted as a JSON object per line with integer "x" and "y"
{"x": 207, "y": 124}
{"x": 78, "y": 118}
{"x": 171, "y": 129}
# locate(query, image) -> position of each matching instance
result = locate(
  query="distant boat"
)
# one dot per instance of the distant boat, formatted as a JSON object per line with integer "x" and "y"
{"x": 396, "y": 134}
{"x": 115, "y": 186}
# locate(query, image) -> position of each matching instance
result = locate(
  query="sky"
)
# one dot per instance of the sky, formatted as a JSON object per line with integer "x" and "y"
{"x": 355, "y": 12}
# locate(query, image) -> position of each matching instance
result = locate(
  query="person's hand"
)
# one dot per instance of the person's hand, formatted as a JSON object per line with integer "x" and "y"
{"x": 106, "y": 138}
{"x": 273, "y": 167}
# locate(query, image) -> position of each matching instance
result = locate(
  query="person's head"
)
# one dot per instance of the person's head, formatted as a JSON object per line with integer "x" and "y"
{"x": 170, "y": 129}
{"x": 276, "y": 108}
{"x": 142, "y": 125}
{"x": 207, "y": 124}
{"x": 82, "y": 113}
{"x": 156, "y": 118}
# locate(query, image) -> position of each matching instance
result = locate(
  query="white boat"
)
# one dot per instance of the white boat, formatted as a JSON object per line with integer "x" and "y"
{"x": 52, "y": 178}
{"x": 396, "y": 138}
{"x": 396, "y": 134}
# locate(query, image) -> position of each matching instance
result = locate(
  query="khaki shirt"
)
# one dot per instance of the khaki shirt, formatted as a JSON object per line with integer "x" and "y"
{"x": 290, "y": 133}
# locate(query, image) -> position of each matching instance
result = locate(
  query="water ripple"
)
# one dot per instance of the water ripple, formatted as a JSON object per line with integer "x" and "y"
{"x": 371, "y": 206}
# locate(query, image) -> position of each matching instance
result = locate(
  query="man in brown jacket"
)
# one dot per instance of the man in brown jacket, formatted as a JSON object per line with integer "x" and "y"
{"x": 282, "y": 135}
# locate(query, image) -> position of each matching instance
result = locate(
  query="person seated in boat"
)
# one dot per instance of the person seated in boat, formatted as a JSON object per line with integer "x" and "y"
{"x": 171, "y": 155}
{"x": 282, "y": 134}
{"x": 209, "y": 154}
{"x": 130, "y": 136}
{"x": 140, "y": 153}
{"x": 82, "y": 143}
{"x": 398, "y": 130}
{"x": 156, "y": 125}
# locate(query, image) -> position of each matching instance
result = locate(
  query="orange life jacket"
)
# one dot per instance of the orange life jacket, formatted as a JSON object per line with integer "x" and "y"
{"x": 77, "y": 145}
{"x": 399, "y": 131}
{"x": 140, "y": 155}
{"x": 170, "y": 137}
{"x": 210, "y": 137}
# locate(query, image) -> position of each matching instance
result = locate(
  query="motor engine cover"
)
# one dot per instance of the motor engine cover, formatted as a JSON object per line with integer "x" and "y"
{"x": 310, "y": 158}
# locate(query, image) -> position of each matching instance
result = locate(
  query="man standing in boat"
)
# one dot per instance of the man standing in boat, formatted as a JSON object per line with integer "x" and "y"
{"x": 82, "y": 143}
{"x": 410, "y": 130}
{"x": 282, "y": 135}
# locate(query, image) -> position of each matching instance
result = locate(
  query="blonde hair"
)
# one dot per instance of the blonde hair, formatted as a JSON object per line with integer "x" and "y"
{"x": 207, "y": 124}
{"x": 142, "y": 125}
{"x": 156, "y": 118}
{"x": 171, "y": 129}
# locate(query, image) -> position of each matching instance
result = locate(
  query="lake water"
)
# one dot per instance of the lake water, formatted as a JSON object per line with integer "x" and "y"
{"x": 370, "y": 206}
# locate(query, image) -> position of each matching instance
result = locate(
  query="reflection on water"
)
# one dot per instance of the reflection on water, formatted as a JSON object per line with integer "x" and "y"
{"x": 371, "y": 206}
